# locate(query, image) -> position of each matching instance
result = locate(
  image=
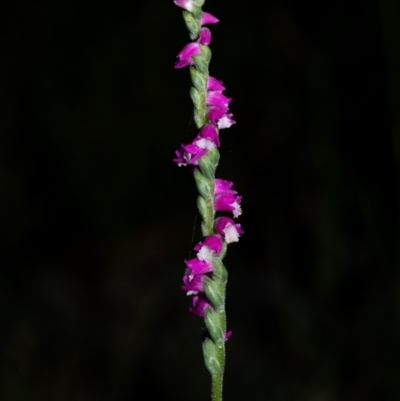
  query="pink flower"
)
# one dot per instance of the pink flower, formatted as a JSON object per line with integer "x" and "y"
{"x": 225, "y": 198}
{"x": 193, "y": 284}
{"x": 218, "y": 104}
{"x": 224, "y": 187}
{"x": 214, "y": 113}
{"x": 215, "y": 85}
{"x": 205, "y": 36}
{"x": 210, "y": 132}
{"x": 216, "y": 98}
{"x": 211, "y": 245}
{"x": 228, "y": 203}
{"x": 199, "y": 306}
{"x": 227, "y": 227}
{"x": 207, "y": 18}
{"x": 206, "y": 140}
{"x": 218, "y": 114}
{"x": 186, "y": 55}
{"x": 189, "y": 154}
{"x": 196, "y": 266}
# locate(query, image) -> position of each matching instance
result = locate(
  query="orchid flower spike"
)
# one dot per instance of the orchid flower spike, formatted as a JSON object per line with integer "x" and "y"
{"x": 205, "y": 276}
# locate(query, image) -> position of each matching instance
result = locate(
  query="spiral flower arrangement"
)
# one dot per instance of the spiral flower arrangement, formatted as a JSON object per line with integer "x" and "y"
{"x": 205, "y": 277}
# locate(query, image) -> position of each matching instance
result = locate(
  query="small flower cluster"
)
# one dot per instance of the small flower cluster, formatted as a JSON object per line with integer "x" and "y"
{"x": 217, "y": 103}
{"x": 218, "y": 116}
{"x": 223, "y": 198}
{"x": 201, "y": 265}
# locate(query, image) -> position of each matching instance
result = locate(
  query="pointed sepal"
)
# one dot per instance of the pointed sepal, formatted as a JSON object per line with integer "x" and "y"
{"x": 204, "y": 186}
{"x": 219, "y": 271}
{"x": 213, "y": 293}
{"x": 202, "y": 60}
{"x": 213, "y": 324}
{"x": 199, "y": 80}
{"x": 210, "y": 357}
{"x": 199, "y": 117}
{"x": 192, "y": 23}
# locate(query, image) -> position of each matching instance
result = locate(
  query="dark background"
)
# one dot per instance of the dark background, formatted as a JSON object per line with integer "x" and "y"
{"x": 96, "y": 219}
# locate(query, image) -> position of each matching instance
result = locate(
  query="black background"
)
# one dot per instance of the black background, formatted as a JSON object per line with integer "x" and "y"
{"x": 96, "y": 219}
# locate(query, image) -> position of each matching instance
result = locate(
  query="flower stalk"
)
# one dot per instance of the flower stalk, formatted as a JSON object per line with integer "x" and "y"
{"x": 206, "y": 276}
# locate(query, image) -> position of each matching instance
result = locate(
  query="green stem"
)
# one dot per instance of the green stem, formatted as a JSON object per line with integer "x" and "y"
{"x": 217, "y": 379}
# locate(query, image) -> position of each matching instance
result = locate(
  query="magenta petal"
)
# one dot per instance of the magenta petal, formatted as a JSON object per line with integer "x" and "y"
{"x": 193, "y": 284}
{"x": 179, "y": 159}
{"x": 197, "y": 266}
{"x": 182, "y": 63}
{"x": 210, "y": 132}
{"x": 214, "y": 242}
{"x": 190, "y": 50}
{"x": 205, "y": 36}
{"x": 228, "y": 335}
{"x": 212, "y": 245}
{"x": 186, "y": 54}
{"x": 195, "y": 157}
{"x": 216, "y": 98}
{"x": 223, "y": 186}
{"x": 215, "y": 85}
{"x": 199, "y": 306}
{"x": 225, "y": 198}
{"x": 222, "y": 222}
{"x": 207, "y": 18}
{"x": 227, "y": 227}
{"x": 226, "y": 202}
{"x": 215, "y": 113}
{"x": 193, "y": 153}
{"x": 189, "y": 154}
{"x": 190, "y": 148}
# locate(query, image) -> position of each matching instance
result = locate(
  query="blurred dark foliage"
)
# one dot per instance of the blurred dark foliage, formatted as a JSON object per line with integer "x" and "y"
{"x": 96, "y": 219}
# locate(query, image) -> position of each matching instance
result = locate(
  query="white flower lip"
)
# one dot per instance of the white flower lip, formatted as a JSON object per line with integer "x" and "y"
{"x": 231, "y": 234}
{"x": 205, "y": 253}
